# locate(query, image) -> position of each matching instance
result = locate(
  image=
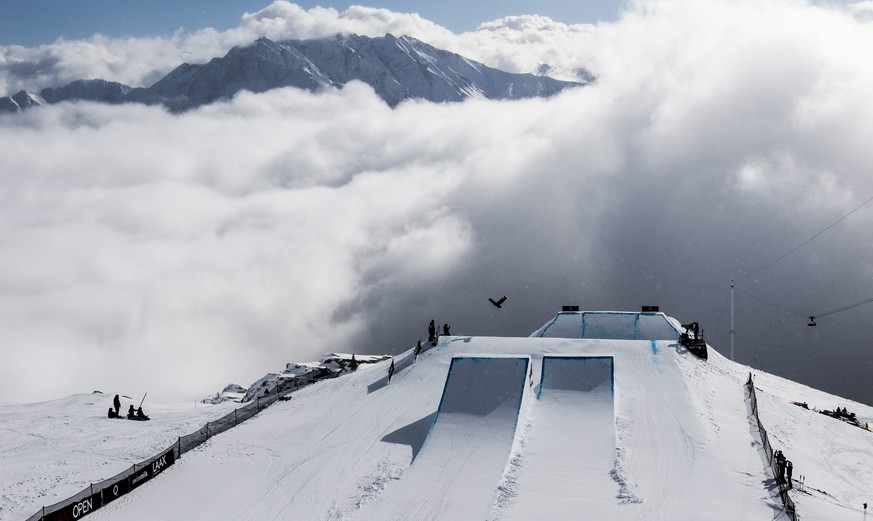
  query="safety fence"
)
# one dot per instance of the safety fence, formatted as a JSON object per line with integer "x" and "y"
{"x": 101, "y": 494}
{"x": 768, "y": 450}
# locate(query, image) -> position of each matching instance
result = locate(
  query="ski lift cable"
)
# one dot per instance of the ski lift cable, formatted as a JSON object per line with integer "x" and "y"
{"x": 760, "y": 365}
{"x": 812, "y": 317}
{"x": 804, "y": 243}
{"x": 742, "y": 312}
{"x": 721, "y": 313}
{"x": 759, "y": 299}
{"x": 755, "y": 344}
{"x": 844, "y": 308}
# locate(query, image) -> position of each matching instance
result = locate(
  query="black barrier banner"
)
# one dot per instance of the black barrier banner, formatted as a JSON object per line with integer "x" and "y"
{"x": 76, "y": 510}
{"x": 162, "y": 462}
{"x": 116, "y": 490}
{"x": 154, "y": 468}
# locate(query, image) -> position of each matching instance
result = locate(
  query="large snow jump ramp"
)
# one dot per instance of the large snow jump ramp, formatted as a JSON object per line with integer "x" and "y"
{"x": 569, "y": 449}
{"x": 611, "y": 325}
{"x": 456, "y": 474}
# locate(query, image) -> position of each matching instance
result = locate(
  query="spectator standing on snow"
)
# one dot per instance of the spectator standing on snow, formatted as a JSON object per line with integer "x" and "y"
{"x": 116, "y": 402}
{"x": 780, "y": 464}
{"x": 431, "y": 332}
{"x": 789, "y": 467}
{"x": 446, "y": 329}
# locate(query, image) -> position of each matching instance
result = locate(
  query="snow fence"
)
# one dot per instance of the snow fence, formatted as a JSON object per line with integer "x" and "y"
{"x": 100, "y": 494}
{"x": 768, "y": 451}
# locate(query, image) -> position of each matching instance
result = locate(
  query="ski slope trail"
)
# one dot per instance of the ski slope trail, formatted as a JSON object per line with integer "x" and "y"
{"x": 569, "y": 448}
{"x": 666, "y": 464}
{"x": 457, "y": 471}
{"x": 317, "y": 456}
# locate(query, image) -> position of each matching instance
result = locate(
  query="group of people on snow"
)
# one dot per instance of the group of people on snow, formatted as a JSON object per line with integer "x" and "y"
{"x": 433, "y": 332}
{"x": 432, "y": 337}
{"x": 132, "y": 413}
{"x": 785, "y": 468}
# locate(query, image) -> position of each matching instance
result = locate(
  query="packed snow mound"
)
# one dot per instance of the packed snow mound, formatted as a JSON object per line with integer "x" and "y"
{"x": 469, "y": 444}
{"x": 574, "y": 417}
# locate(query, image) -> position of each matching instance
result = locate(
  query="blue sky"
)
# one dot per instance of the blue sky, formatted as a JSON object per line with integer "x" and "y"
{"x": 34, "y": 22}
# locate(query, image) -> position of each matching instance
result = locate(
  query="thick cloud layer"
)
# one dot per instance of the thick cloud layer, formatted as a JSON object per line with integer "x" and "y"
{"x": 143, "y": 251}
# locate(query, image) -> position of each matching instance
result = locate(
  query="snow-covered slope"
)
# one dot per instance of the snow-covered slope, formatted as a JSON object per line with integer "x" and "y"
{"x": 675, "y": 429}
{"x": 397, "y": 68}
{"x": 20, "y": 101}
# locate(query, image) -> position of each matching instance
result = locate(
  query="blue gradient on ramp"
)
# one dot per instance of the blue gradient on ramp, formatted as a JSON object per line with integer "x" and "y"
{"x": 479, "y": 385}
{"x": 577, "y": 373}
{"x": 610, "y": 325}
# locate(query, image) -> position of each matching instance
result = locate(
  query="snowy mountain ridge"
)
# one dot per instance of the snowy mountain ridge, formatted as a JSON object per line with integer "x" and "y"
{"x": 397, "y": 68}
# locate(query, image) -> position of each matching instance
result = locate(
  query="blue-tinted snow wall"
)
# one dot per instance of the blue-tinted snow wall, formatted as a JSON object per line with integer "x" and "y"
{"x": 610, "y": 325}
{"x": 480, "y": 385}
{"x": 577, "y": 373}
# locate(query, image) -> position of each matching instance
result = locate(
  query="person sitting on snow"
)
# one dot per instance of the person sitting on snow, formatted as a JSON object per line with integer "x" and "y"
{"x": 131, "y": 413}
{"x": 141, "y": 415}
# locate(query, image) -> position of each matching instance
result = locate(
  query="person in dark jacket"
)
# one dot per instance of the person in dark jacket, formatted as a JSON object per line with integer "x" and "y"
{"x": 141, "y": 415}
{"x": 116, "y": 402}
{"x": 131, "y": 413}
{"x": 431, "y": 331}
{"x": 789, "y": 468}
{"x": 780, "y": 464}
{"x": 446, "y": 329}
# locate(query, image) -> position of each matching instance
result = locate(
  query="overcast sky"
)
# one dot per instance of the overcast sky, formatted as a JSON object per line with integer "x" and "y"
{"x": 142, "y": 251}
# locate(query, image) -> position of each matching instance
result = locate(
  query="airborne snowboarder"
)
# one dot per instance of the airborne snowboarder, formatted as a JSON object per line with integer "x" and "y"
{"x": 497, "y": 303}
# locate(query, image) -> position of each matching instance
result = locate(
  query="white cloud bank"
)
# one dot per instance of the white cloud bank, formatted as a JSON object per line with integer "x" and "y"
{"x": 141, "y": 251}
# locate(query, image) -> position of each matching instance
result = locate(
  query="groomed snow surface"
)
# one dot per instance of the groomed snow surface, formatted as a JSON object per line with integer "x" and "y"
{"x": 476, "y": 428}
